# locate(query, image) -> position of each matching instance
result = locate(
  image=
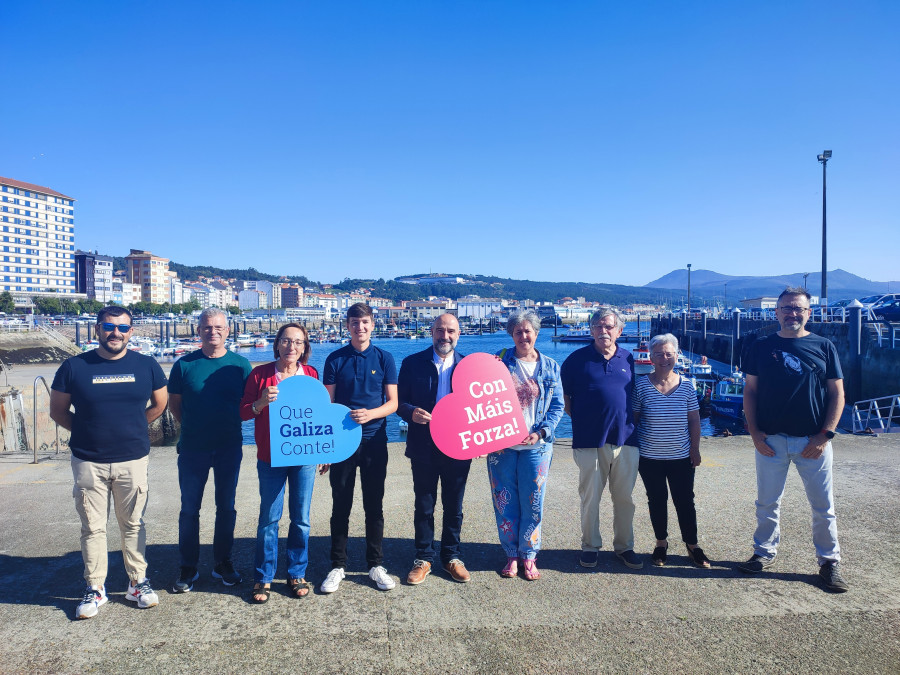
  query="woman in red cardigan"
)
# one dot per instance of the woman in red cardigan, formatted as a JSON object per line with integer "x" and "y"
{"x": 292, "y": 350}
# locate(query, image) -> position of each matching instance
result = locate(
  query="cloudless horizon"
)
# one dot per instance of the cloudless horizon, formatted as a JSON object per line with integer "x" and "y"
{"x": 578, "y": 141}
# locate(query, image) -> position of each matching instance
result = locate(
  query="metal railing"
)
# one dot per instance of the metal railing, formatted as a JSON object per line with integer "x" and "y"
{"x": 34, "y": 427}
{"x": 876, "y": 415}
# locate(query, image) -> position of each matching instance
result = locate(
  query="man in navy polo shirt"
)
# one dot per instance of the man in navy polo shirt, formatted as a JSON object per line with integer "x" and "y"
{"x": 364, "y": 378}
{"x": 597, "y": 381}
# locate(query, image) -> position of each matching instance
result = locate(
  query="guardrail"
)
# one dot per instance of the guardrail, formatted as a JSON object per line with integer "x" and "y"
{"x": 34, "y": 427}
{"x": 876, "y": 415}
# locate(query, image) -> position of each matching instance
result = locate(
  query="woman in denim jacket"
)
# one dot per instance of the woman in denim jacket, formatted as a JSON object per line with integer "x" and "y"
{"x": 519, "y": 474}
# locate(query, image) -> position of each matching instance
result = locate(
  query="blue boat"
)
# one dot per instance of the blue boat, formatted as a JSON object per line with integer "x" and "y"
{"x": 727, "y": 398}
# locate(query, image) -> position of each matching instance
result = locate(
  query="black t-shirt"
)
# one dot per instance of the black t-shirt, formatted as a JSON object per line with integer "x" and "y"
{"x": 110, "y": 398}
{"x": 791, "y": 391}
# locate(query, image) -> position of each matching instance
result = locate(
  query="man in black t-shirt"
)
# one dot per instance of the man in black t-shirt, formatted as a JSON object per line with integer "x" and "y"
{"x": 793, "y": 400}
{"x": 109, "y": 388}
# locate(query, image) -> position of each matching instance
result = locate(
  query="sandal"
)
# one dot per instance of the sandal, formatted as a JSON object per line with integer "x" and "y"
{"x": 698, "y": 557}
{"x": 659, "y": 555}
{"x": 530, "y": 571}
{"x": 262, "y": 591}
{"x": 511, "y": 571}
{"x": 297, "y": 585}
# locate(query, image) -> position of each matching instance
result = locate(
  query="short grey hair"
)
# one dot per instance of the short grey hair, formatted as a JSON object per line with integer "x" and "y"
{"x": 209, "y": 313}
{"x": 523, "y": 316}
{"x": 664, "y": 339}
{"x": 601, "y": 314}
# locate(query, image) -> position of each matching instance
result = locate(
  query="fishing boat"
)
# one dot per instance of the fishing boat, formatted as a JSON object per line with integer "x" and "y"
{"x": 642, "y": 363}
{"x": 578, "y": 333}
{"x": 243, "y": 340}
{"x": 703, "y": 378}
{"x": 727, "y": 399}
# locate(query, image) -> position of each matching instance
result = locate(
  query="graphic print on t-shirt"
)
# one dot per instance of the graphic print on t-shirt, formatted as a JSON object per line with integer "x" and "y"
{"x": 113, "y": 379}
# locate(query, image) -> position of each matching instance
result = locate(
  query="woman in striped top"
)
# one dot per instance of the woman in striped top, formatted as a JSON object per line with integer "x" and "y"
{"x": 667, "y": 417}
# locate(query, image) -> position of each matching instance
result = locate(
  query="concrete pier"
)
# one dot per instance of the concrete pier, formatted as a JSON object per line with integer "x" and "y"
{"x": 675, "y": 619}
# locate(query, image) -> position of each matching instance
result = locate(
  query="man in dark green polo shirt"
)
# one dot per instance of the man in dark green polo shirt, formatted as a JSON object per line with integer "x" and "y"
{"x": 205, "y": 389}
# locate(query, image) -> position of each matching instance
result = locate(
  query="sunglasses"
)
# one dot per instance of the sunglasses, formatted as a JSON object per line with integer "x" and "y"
{"x": 110, "y": 327}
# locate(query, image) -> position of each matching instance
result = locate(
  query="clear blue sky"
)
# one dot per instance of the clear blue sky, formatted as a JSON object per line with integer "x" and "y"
{"x": 581, "y": 141}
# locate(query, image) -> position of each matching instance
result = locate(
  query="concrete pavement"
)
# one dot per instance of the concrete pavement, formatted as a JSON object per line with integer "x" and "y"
{"x": 609, "y": 619}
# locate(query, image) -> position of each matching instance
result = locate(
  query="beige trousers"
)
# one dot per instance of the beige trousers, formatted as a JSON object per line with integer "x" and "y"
{"x": 619, "y": 466}
{"x": 126, "y": 483}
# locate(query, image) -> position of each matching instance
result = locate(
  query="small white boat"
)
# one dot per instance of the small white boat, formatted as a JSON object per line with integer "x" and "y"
{"x": 642, "y": 363}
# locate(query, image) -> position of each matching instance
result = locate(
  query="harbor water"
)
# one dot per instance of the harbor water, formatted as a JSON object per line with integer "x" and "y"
{"x": 469, "y": 344}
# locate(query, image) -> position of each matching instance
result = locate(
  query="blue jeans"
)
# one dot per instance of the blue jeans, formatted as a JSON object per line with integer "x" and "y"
{"x": 193, "y": 472}
{"x": 272, "y": 480}
{"x": 518, "y": 487}
{"x": 771, "y": 476}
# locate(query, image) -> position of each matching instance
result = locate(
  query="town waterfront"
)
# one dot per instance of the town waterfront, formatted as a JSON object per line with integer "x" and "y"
{"x": 469, "y": 344}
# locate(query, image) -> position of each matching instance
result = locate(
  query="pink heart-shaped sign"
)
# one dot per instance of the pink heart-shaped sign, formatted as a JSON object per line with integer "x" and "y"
{"x": 482, "y": 414}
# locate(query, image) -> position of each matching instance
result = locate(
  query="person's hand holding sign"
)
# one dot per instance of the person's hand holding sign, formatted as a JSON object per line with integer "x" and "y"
{"x": 268, "y": 395}
{"x": 421, "y": 416}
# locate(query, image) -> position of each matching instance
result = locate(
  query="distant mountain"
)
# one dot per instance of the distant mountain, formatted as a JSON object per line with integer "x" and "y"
{"x": 706, "y": 283}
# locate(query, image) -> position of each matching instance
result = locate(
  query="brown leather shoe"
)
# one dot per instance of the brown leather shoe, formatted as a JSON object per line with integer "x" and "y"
{"x": 457, "y": 571}
{"x": 418, "y": 573}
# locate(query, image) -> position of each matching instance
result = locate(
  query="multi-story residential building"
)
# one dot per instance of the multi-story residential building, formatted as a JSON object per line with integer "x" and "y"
{"x": 477, "y": 308}
{"x": 149, "y": 272}
{"x": 94, "y": 275}
{"x": 37, "y": 239}
{"x": 252, "y": 299}
{"x": 291, "y": 295}
{"x": 221, "y": 294}
{"x": 202, "y": 293}
{"x": 124, "y": 293}
{"x": 272, "y": 291}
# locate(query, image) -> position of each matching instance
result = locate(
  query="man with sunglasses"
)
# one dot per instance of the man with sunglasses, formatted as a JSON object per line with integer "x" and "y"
{"x": 109, "y": 388}
{"x": 205, "y": 390}
{"x": 793, "y": 399}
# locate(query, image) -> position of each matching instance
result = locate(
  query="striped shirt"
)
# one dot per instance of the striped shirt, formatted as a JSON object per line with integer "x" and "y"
{"x": 663, "y": 428}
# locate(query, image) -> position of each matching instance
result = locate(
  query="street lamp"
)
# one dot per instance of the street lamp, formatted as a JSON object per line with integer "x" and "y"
{"x": 804, "y": 279}
{"x": 689, "y": 289}
{"x": 823, "y": 301}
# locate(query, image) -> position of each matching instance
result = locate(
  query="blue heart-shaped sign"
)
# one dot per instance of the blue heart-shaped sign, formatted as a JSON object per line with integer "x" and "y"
{"x": 305, "y": 427}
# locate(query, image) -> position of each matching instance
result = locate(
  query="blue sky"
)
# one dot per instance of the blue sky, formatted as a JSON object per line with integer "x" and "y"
{"x": 568, "y": 141}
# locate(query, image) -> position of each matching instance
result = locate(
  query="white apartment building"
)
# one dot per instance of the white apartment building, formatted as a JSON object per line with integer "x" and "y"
{"x": 272, "y": 291}
{"x": 37, "y": 239}
{"x": 124, "y": 293}
{"x": 252, "y": 299}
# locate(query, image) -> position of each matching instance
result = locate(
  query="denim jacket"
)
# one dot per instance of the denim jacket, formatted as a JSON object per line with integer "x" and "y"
{"x": 550, "y": 405}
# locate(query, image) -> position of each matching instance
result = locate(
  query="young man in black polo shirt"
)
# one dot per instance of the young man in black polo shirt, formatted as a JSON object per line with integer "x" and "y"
{"x": 364, "y": 378}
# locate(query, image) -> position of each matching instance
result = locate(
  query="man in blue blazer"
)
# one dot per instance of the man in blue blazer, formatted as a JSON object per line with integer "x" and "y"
{"x": 425, "y": 378}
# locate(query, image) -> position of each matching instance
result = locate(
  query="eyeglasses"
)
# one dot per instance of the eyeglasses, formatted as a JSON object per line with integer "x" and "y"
{"x": 602, "y": 326}
{"x": 110, "y": 327}
{"x": 217, "y": 329}
{"x": 287, "y": 342}
{"x": 793, "y": 309}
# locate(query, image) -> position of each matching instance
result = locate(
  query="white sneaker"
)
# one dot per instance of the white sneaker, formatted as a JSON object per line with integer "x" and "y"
{"x": 94, "y": 596}
{"x": 142, "y": 593}
{"x": 333, "y": 580}
{"x": 380, "y": 576}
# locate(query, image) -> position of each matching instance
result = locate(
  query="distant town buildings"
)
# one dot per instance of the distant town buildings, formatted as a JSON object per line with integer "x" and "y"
{"x": 94, "y": 275}
{"x": 150, "y": 273}
{"x": 37, "y": 239}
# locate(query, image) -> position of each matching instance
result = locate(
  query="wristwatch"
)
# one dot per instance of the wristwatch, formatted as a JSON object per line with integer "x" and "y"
{"x": 828, "y": 433}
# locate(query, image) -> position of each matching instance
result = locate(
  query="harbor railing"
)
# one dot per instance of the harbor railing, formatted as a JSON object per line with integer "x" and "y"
{"x": 877, "y": 415}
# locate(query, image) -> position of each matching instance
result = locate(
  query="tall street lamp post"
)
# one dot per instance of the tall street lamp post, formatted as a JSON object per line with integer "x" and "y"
{"x": 823, "y": 301}
{"x": 689, "y": 289}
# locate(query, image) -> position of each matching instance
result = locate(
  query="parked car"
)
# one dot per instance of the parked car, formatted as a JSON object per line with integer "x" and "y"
{"x": 872, "y": 300}
{"x": 888, "y": 310}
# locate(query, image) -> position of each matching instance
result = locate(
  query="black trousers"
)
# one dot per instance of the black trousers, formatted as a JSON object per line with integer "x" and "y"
{"x": 680, "y": 477}
{"x": 427, "y": 469}
{"x": 371, "y": 458}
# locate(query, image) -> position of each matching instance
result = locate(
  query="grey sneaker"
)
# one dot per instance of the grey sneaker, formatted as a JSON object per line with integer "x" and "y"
{"x": 756, "y": 564}
{"x": 589, "y": 558}
{"x": 186, "y": 579}
{"x": 94, "y": 597}
{"x": 630, "y": 559}
{"x": 830, "y": 576}
{"x": 226, "y": 572}
{"x": 142, "y": 593}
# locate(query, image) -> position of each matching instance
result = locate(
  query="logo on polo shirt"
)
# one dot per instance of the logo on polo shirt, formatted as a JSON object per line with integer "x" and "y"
{"x": 373, "y": 372}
